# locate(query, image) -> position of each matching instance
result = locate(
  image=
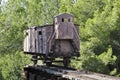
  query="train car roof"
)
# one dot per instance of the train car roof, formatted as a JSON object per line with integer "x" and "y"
{"x": 63, "y": 14}
{"x": 32, "y": 27}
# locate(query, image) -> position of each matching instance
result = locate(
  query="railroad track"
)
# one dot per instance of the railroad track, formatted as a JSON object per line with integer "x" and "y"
{"x": 42, "y": 72}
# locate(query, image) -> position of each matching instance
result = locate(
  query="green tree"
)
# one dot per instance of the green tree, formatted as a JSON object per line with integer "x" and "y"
{"x": 99, "y": 31}
{"x": 16, "y": 16}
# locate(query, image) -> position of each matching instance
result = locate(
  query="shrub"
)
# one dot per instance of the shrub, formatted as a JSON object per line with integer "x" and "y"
{"x": 11, "y": 66}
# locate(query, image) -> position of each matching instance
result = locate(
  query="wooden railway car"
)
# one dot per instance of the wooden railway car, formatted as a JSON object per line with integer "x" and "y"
{"x": 60, "y": 39}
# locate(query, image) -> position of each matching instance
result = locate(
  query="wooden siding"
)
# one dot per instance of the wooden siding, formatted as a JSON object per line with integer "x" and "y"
{"x": 36, "y": 40}
{"x": 29, "y": 42}
{"x": 64, "y": 26}
{"x": 39, "y": 40}
{"x": 64, "y": 31}
{"x": 61, "y": 38}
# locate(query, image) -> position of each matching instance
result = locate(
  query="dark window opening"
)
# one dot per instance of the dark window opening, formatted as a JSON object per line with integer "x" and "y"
{"x": 26, "y": 34}
{"x": 69, "y": 20}
{"x": 62, "y": 19}
{"x": 40, "y": 32}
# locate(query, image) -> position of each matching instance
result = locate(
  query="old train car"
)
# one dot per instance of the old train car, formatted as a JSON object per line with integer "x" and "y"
{"x": 60, "y": 39}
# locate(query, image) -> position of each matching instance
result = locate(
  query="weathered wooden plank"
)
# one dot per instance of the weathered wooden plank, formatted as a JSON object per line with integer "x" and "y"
{"x": 39, "y": 40}
{"x": 64, "y": 26}
{"x": 44, "y": 39}
{"x": 29, "y": 44}
{"x": 67, "y": 74}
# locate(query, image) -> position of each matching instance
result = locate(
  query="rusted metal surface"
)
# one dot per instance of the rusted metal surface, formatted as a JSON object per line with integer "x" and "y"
{"x": 59, "y": 73}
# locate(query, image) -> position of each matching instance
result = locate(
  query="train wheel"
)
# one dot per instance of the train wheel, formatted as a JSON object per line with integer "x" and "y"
{"x": 34, "y": 59}
{"x": 66, "y": 61}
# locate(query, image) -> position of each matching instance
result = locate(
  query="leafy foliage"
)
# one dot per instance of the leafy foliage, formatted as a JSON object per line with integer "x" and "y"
{"x": 11, "y": 65}
{"x": 96, "y": 63}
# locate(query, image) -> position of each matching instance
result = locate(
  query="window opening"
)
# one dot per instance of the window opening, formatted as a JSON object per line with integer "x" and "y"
{"x": 62, "y": 19}
{"x": 26, "y": 34}
{"x": 40, "y": 32}
{"x": 69, "y": 20}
